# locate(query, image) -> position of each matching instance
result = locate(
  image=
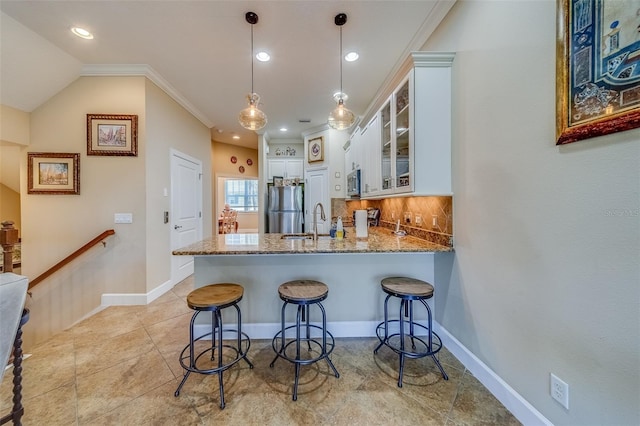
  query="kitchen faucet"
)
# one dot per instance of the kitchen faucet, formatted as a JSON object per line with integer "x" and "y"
{"x": 315, "y": 219}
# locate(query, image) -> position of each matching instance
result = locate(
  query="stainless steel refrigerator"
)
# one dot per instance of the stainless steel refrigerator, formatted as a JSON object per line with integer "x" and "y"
{"x": 285, "y": 209}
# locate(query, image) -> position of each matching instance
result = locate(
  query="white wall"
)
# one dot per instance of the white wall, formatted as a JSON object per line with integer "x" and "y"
{"x": 546, "y": 274}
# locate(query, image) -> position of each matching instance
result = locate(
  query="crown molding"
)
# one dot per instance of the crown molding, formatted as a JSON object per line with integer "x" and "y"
{"x": 122, "y": 70}
{"x": 402, "y": 67}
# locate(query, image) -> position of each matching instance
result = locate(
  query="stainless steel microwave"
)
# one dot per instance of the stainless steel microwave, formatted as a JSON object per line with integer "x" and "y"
{"x": 353, "y": 184}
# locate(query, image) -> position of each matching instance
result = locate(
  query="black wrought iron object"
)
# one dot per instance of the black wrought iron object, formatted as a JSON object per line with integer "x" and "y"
{"x": 406, "y": 343}
{"x": 303, "y": 294}
{"x": 18, "y": 410}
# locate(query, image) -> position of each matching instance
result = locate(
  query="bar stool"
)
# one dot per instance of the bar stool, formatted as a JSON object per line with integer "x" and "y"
{"x": 303, "y": 293}
{"x": 214, "y": 298}
{"x": 408, "y": 290}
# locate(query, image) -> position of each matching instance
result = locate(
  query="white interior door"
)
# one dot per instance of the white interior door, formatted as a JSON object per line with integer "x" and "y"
{"x": 316, "y": 190}
{"x": 186, "y": 210}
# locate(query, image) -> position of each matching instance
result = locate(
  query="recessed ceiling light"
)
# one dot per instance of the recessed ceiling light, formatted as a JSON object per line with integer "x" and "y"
{"x": 236, "y": 137}
{"x": 82, "y": 33}
{"x": 263, "y": 56}
{"x": 351, "y": 56}
{"x": 283, "y": 129}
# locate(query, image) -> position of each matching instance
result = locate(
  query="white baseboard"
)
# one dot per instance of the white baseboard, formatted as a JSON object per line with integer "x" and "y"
{"x": 126, "y": 299}
{"x": 512, "y": 400}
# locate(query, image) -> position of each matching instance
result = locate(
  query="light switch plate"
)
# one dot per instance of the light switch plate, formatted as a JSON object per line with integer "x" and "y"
{"x": 123, "y": 218}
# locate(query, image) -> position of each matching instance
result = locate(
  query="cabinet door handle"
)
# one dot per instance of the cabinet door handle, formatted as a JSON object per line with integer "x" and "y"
{"x": 177, "y": 227}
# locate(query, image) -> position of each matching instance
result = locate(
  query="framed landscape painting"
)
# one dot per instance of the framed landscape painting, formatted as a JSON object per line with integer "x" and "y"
{"x": 53, "y": 173}
{"x": 112, "y": 135}
{"x": 597, "y": 68}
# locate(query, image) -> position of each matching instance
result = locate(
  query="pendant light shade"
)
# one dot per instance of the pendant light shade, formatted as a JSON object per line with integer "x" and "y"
{"x": 252, "y": 118}
{"x": 341, "y": 118}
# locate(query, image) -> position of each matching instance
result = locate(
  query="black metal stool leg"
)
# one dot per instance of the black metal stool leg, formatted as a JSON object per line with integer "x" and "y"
{"x": 433, "y": 356}
{"x": 324, "y": 341}
{"x": 386, "y": 325}
{"x": 218, "y": 316}
{"x": 300, "y": 311}
{"x": 240, "y": 337}
{"x": 191, "y": 355}
{"x": 282, "y": 339}
{"x": 401, "y": 354}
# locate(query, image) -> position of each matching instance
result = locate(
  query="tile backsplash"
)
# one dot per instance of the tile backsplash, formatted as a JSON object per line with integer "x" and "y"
{"x": 434, "y": 214}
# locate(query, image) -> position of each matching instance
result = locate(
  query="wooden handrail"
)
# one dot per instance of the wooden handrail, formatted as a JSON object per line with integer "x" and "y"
{"x": 69, "y": 258}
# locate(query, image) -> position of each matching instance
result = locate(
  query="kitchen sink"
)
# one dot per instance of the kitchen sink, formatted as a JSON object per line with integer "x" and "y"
{"x": 303, "y": 236}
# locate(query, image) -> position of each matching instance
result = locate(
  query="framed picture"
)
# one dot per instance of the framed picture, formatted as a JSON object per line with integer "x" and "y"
{"x": 53, "y": 173}
{"x": 112, "y": 135}
{"x": 316, "y": 150}
{"x": 597, "y": 68}
{"x": 278, "y": 181}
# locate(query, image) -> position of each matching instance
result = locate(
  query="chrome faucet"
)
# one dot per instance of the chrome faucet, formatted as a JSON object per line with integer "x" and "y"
{"x": 315, "y": 219}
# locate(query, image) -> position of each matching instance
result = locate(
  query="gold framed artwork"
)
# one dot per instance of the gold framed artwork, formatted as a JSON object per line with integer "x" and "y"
{"x": 315, "y": 151}
{"x": 53, "y": 173}
{"x": 597, "y": 68}
{"x": 112, "y": 135}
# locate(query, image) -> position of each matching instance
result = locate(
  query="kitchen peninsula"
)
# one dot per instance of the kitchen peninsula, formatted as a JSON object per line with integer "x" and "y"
{"x": 352, "y": 268}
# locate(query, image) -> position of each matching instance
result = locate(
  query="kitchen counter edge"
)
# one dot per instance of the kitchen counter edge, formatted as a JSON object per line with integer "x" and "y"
{"x": 380, "y": 240}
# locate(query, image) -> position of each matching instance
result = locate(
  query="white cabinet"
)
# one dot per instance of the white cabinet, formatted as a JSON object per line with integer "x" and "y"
{"x": 415, "y": 130}
{"x": 370, "y": 158}
{"x": 355, "y": 150}
{"x": 288, "y": 168}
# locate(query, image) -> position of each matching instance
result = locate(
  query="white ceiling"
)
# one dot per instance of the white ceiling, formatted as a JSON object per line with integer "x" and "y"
{"x": 200, "y": 52}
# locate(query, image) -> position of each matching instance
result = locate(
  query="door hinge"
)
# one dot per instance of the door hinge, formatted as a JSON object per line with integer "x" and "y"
{"x": 199, "y": 176}
{"x": 200, "y": 214}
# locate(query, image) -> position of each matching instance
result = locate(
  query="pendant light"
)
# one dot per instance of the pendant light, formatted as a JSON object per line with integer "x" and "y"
{"x": 252, "y": 118}
{"x": 341, "y": 118}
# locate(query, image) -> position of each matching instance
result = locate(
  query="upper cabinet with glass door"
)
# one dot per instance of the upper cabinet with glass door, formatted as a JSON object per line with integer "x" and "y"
{"x": 415, "y": 129}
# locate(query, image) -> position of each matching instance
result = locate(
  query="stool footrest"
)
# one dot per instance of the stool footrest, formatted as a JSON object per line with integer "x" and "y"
{"x": 281, "y": 350}
{"x": 410, "y": 350}
{"x": 240, "y": 353}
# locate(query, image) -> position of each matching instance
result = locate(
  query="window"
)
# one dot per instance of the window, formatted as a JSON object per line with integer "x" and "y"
{"x": 241, "y": 194}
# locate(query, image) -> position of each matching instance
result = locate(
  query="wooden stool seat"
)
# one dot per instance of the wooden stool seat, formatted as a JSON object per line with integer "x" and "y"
{"x": 214, "y": 296}
{"x": 309, "y": 291}
{"x": 404, "y": 286}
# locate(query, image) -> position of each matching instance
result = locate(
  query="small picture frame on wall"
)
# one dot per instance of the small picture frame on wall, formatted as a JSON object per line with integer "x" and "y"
{"x": 55, "y": 173}
{"x": 278, "y": 181}
{"x": 112, "y": 135}
{"x": 315, "y": 150}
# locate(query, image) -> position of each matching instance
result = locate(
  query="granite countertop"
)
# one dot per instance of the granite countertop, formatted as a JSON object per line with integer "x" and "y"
{"x": 380, "y": 240}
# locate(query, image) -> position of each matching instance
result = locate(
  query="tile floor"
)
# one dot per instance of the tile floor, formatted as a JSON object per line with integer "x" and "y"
{"x": 120, "y": 367}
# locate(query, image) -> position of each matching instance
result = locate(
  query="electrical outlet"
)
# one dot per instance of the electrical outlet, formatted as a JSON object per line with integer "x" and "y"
{"x": 407, "y": 217}
{"x": 559, "y": 391}
{"x": 418, "y": 219}
{"x": 434, "y": 220}
{"x": 393, "y": 215}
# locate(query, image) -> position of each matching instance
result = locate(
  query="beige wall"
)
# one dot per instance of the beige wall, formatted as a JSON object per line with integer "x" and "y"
{"x": 224, "y": 168}
{"x": 56, "y": 225}
{"x": 545, "y": 276}
{"x": 136, "y": 259}
{"x": 169, "y": 126}
{"x": 10, "y": 206}
{"x": 14, "y": 125}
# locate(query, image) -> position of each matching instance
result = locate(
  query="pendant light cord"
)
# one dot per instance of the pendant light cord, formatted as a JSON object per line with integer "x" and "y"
{"x": 252, "y": 59}
{"x": 341, "y": 93}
